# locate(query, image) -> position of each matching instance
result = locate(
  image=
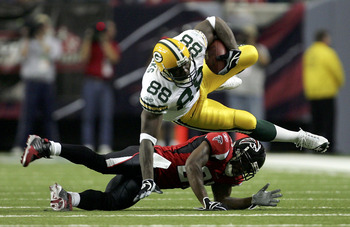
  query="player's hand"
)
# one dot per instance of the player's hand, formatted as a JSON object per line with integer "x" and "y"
{"x": 265, "y": 198}
{"x": 209, "y": 205}
{"x": 148, "y": 186}
{"x": 231, "y": 58}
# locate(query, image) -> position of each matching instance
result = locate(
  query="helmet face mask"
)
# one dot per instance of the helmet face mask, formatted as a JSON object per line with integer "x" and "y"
{"x": 249, "y": 158}
{"x": 181, "y": 76}
{"x": 174, "y": 62}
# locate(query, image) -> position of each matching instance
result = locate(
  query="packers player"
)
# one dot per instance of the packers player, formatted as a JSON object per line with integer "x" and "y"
{"x": 175, "y": 88}
{"x": 211, "y": 159}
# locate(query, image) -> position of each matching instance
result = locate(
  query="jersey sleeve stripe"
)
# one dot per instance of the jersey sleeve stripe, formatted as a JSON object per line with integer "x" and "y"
{"x": 152, "y": 108}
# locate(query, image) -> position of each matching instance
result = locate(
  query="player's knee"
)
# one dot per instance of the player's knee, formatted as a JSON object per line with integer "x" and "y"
{"x": 249, "y": 56}
{"x": 245, "y": 120}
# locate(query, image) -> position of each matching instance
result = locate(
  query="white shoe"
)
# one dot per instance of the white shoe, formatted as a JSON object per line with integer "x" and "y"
{"x": 311, "y": 141}
{"x": 60, "y": 199}
{"x": 230, "y": 84}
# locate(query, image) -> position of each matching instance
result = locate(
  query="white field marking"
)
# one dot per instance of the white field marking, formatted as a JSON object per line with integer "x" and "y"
{"x": 180, "y": 207}
{"x": 180, "y": 215}
{"x": 322, "y": 199}
{"x": 230, "y": 225}
{"x": 21, "y": 193}
{"x": 24, "y": 199}
{"x": 185, "y": 199}
{"x": 160, "y": 207}
{"x": 316, "y": 192}
{"x": 20, "y": 207}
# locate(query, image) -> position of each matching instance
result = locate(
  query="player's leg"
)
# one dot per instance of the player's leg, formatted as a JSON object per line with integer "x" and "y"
{"x": 119, "y": 194}
{"x": 210, "y": 115}
{"x": 125, "y": 161}
{"x": 212, "y": 81}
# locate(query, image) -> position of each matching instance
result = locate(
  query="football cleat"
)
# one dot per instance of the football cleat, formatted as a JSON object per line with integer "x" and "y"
{"x": 311, "y": 141}
{"x": 230, "y": 84}
{"x": 36, "y": 148}
{"x": 60, "y": 199}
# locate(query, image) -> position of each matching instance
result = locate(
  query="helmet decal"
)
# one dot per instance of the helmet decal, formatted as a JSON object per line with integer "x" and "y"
{"x": 249, "y": 157}
{"x": 174, "y": 62}
{"x": 219, "y": 139}
{"x": 253, "y": 144}
{"x": 226, "y": 137}
{"x": 157, "y": 56}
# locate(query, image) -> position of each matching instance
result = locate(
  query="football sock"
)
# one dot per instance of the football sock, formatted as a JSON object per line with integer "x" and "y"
{"x": 75, "y": 198}
{"x": 55, "y": 148}
{"x": 284, "y": 135}
{"x": 264, "y": 131}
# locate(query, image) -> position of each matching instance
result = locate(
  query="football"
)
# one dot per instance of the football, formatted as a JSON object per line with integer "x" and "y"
{"x": 215, "y": 49}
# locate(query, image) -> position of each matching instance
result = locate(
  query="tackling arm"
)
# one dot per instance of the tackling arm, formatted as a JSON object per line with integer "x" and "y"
{"x": 150, "y": 125}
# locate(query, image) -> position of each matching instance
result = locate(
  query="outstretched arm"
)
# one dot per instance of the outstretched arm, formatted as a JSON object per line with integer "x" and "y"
{"x": 194, "y": 164}
{"x": 222, "y": 194}
{"x": 150, "y": 126}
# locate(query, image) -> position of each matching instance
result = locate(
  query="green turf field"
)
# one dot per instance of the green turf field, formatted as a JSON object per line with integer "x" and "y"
{"x": 317, "y": 196}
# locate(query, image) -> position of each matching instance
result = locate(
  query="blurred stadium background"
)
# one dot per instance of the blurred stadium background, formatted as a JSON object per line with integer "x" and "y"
{"x": 286, "y": 28}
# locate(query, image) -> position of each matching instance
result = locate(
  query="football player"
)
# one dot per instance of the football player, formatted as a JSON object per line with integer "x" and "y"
{"x": 211, "y": 159}
{"x": 175, "y": 88}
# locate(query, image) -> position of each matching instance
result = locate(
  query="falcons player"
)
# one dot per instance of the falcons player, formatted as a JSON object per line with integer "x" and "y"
{"x": 211, "y": 159}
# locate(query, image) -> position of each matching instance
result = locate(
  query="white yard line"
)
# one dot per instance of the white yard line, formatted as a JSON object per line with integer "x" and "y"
{"x": 215, "y": 214}
{"x": 230, "y": 225}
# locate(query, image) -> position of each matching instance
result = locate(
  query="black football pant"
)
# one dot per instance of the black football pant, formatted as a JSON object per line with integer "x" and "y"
{"x": 121, "y": 190}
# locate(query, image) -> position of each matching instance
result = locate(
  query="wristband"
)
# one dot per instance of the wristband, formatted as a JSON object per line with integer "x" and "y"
{"x": 211, "y": 20}
{"x": 145, "y": 136}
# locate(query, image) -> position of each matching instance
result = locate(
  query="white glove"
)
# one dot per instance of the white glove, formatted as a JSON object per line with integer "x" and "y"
{"x": 209, "y": 205}
{"x": 148, "y": 186}
{"x": 231, "y": 58}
